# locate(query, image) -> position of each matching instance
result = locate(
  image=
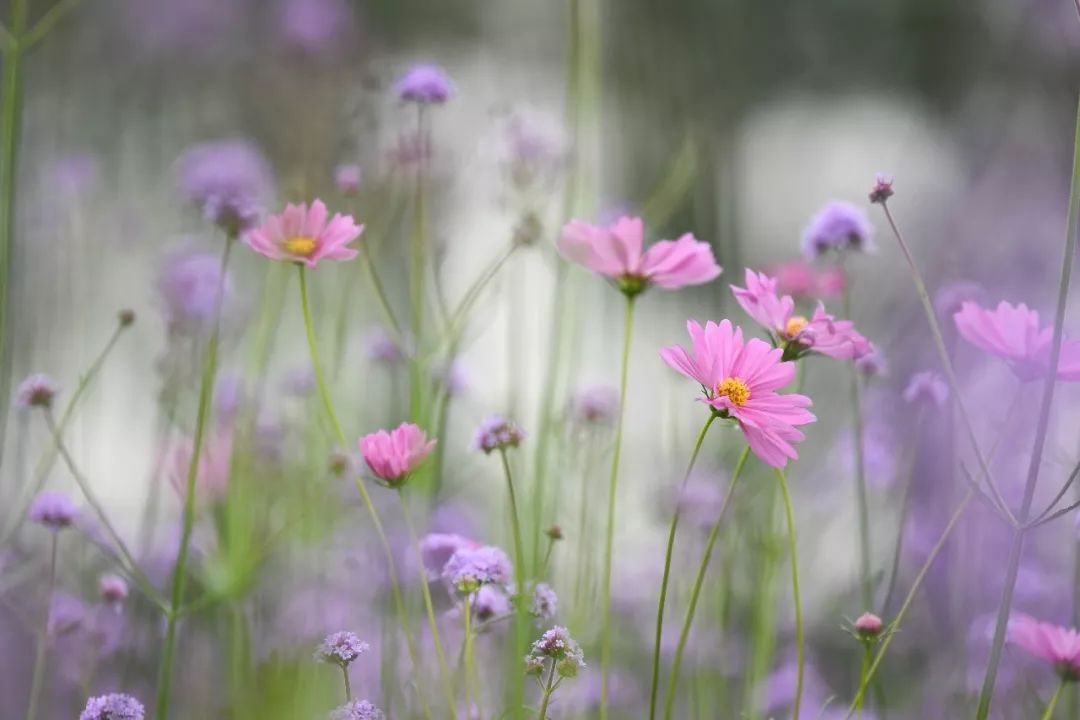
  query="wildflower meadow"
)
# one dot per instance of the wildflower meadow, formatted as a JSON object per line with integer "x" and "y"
{"x": 403, "y": 360}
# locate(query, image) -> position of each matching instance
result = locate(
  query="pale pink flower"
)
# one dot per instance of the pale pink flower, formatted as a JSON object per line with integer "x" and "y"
{"x": 1013, "y": 333}
{"x": 802, "y": 280}
{"x": 740, "y": 380}
{"x": 303, "y": 234}
{"x": 1053, "y": 643}
{"x": 821, "y": 333}
{"x": 392, "y": 456}
{"x": 617, "y": 251}
{"x": 215, "y": 459}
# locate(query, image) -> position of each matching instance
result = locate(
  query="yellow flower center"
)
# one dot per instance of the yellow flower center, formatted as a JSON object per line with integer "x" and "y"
{"x": 300, "y": 246}
{"x": 795, "y": 326}
{"x": 734, "y": 390}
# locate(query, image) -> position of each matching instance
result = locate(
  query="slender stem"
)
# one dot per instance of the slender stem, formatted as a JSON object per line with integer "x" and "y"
{"x": 987, "y": 694}
{"x": 376, "y": 522}
{"x": 521, "y": 603}
{"x": 179, "y": 578}
{"x": 613, "y": 483}
{"x": 460, "y": 314}
{"x": 417, "y": 271}
{"x": 380, "y": 295}
{"x": 43, "y": 634}
{"x": 896, "y": 624}
{"x": 348, "y": 684}
{"x": 549, "y": 687}
{"x": 48, "y": 21}
{"x": 429, "y": 607}
{"x": 799, "y": 632}
{"x": 1057, "y": 498}
{"x": 1054, "y": 701}
{"x": 905, "y": 506}
{"x": 472, "y": 689}
{"x": 667, "y": 566}
{"x": 865, "y": 582}
{"x": 867, "y": 658}
{"x": 699, "y": 581}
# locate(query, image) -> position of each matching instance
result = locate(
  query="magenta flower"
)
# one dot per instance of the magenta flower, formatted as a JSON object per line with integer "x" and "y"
{"x": 1053, "y": 643}
{"x": 822, "y": 333}
{"x": 302, "y": 234}
{"x": 54, "y": 510}
{"x": 801, "y": 280}
{"x": 1013, "y": 334}
{"x": 616, "y": 251}
{"x": 740, "y": 380}
{"x": 392, "y": 456}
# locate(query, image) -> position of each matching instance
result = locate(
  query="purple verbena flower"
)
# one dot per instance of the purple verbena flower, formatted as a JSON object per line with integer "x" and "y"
{"x": 113, "y": 589}
{"x": 497, "y": 433}
{"x": 114, "y": 706}
{"x": 545, "y": 603}
{"x": 228, "y": 180}
{"x": 357, "y": 710}
{"x": 469, "y": 569}
{"x": 596, "y": 405}
{"x": 557, "y": 646}
{"x": 424, "y": 84}
{"x": 340, "y": 648}
{"x": 882, "y": 189}
{"x": 189, "y": 285}
{"x": 54, "y": 510}
{"x": 36, "y": 391}
{"x": 839, "y": 226}
{"x": 490, "y": 602}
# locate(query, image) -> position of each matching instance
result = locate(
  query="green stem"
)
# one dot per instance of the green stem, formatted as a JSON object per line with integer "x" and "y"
{"x": 613, "y": 483}
{"x": 43, "y": 634}
{"x": 799, "y": 632}
{"x": 865, "y": 584}
{"x": 429, "y": 607}
{"x": 867, "y": 658}
{"x": 667, "y": 566}
{"x": 380, "y": 294}
{"x": 699, "y": 581}
{"x": 1054, "y": 701}
{"x": 417, "y": 271}
{"x": 549, "y": 687}
{"x": 348, "y": 684}
{"x": 520, "y": 616}
{"x": 987, "y": 694}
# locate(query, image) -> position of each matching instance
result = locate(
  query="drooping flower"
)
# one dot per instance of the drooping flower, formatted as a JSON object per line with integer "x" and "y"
{"x": 926, "y": 387}
{"x": 114, "y": 706}
{"x": 37, "y": 390}
{"x": 1013, "y": 333}
{"x": 228, "y": 180}
{"x": 302, "y": 234}
{"x": 557, "y": 646}
{"x": 113, "y": 589}
{"x": 470, "y": 568}
{"x": 424, "y": 84}
{"x": 357, "y": 710}
{"x": 54, "y": 510}
{"x": 497, "y": 433}
{"x": 340, "y": 648}
{"x": 1053, "y": 643}
{"x": 394, "y": 455}
{"x": 821, "y": 333}
{"x": 740, "y": 379}
{"x": 616, "y": 252}
{"x": 840, "y": 226}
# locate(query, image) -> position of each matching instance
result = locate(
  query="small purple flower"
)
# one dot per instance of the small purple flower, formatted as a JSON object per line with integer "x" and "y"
{"x": 382, "y": 348}
{"x": 348, "y": 178}
{"x": 113, "y": 589}
{"x": 882, "y": 189}
{"x": 926, "y": 387}
{"x": 497, "y": 433}
{"x": 299, "y": 382}
{"x": 839, "y": 226}
{"x": 452, "y": 376}
{"x": 71, "y": 175}
{"x": 469, "y": 569}
{"x": 228, "y": 180}
{"x": 315, "y": 26}
{"x": 872, "y": 364}
{"x": 188, "y": 286}
{"x": 545, "y": 603}
{"x": 424, "y": 84}
{"x": 114, "y": 706}
{"x": 357, "y": 710}
{"x": 490, "y": 602}
{"x": 596, "y": 405}
{"x": 436, "y": 549}
{"x": 36, "y": 391}
{"x": 557, "y": 646}
{"x": 54, "y": 510}
{"x": 340, "y": 648}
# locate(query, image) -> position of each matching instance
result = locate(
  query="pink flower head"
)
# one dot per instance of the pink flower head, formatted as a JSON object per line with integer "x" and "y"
{"x": 392, "y": 456}
{"x": 215, "y": 460}
{"x": 1013, "y": 334}
{"x": 822, "y": 333}
{"x": 1053, "y": 643}
{"x": 616, "y": 251}
{"x": 740, "y": 380}
{"x": 802, "y": 280}
{"x": 302, "y": 234}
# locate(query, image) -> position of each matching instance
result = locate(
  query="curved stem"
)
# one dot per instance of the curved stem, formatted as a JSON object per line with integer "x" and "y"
{"x": 179, "y": 577}
{"x": 1054, "y": 701}
{"x": 987, "y": 693}
{"x": 799, "y": 632}
{"x": 667, "y": 567}
{"x": 43, "y": 634}
{"x": 676, "y": 665}
{"x": 865, "y": 583}
{"x": 613, "y": 482}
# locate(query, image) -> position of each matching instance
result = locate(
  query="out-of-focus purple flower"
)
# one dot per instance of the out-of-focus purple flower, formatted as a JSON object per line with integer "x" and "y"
{"x": 596, "y": 405}
{"x": 66, "y": 615}
{"x": 54, "y": 510}
{"x": 469, "y": 569}
{"x": 229, "y": 180}
{"x": 228, "y": 395}
{"x": 928, "y": 388}
{"x": 951, "y": 297}
{"x": 490, "y": 602}
{"x": 535, "y": 150}
{"x": 340, "y": 648}
{"x": 381, "y": 347}
{"x": 701, "y": 499}
{"x": 882, "y": 189}
{"x": 872, "y": 364}
{"x": 189, "y": 286}
{"x": 315, "y": 26}
{"x": 424, "y": 84}
{"x": 215, "y": 465}
{"x": 195, "y": 26}
{"x": 410, "y": 149}
{"x": 557, "y": 646}
{"x": 114, "y": 706}
{"x": 113, "y": 589}
{"x": 37, "y": 390}
{"x": 72, "y": 175}
{"x": 357, "y": 710}
{"x": 299, "y": 382}
{"x": 880, "y": 452}
{"x": 436, "y": 550}
{"x": 545, "y": 603}
{"x": 452, "y": 376}
{"x": 497, "y": 433}
{"x": 839, "y": 226}
{"x": 348, "y": 178}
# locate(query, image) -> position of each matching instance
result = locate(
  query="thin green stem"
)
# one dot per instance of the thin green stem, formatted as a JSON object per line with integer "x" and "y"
{"x": 800, "y": 641}
{"x": 1052, "y": 705}
{"x": 179, "y": 577}
{"x": 905, "y": 506}
{"x": 520, "y": 627}
{"x": 667, "y": 565}
{"x": 987, "y": 694}
{"x": 48, "y": 21}
{"x": 380, "y": 295}
{"x": 38, "y": 681}
{"x": 896, "y": 624}
{"x": 417, "y": 275}
{"x": 865, "y": 582}
{"x": 699, "y": 581}
{"x": 549, "y": 687}
{"x": 613, "y": 486}
{"x": 348, "y": 683}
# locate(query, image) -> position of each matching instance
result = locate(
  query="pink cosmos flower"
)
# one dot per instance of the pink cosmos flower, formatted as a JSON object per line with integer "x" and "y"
{"x": 616, "y": 251}
{"x": 1053, "y": 643}
{"x": 740, "y": 380}
{"x": 821, "y": 333}
{"x": 302, "y": 234}
{"x": 392, "y": 456}
{"x": 1013, "y": 334}
{"x": 800, "y": 279}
